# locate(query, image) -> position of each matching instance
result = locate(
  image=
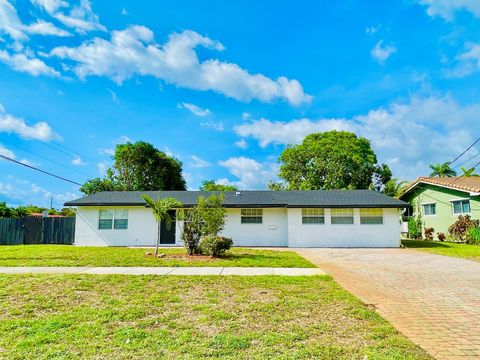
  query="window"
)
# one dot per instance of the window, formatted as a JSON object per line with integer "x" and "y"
{"x": 110, "y": 219}
{"x": 313, "y": 216}
{"x": 342, "y": 216}
{"x": 429, "y": 209}
{"x": 371, "y": 216}
{"x": 461, "y": 207}
{"x": 251, "y": 216}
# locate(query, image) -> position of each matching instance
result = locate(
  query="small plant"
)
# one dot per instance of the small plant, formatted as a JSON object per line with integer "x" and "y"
{"x": 441, "y": 236}
{"x": 215, "y": 245}
{"x": 429, "y": 234}
{"x": 458, "y": 230}
{"x": 191, "y": 233}
{"x": 473, "y": 236}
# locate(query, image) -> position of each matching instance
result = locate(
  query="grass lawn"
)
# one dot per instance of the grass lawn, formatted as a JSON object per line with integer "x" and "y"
{"x": 471, "y": 252}
{"x": 66, "y": 255}
{"x": 147, "y": 317}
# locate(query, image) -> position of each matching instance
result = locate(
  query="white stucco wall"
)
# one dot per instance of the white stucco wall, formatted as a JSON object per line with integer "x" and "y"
{"x": 142, "y": 228}
{"x": 280, "y": 227}
{"x": 354, "y": 235}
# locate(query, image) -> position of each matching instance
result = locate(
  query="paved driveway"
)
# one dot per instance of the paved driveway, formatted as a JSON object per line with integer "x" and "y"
{"x": 432, "y": 299}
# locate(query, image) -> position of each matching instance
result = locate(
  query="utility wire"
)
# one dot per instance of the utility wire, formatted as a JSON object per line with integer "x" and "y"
{"x": 37, "y": 169}
{"x": 459, "y": 156}
{"x": 464, "y": 162}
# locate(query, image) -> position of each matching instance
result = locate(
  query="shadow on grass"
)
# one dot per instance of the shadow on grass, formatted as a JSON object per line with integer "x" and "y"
{"x": 424, "y": 244}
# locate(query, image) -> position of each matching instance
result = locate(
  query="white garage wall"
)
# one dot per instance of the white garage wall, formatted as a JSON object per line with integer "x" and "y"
{"x": 355, "y": 235}
{"x": 142, "y": 228}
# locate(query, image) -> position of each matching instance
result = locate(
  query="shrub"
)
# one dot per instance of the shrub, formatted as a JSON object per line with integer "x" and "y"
{"x": 215, "y": 245}
{"x": 441, "y": 236}
{"x": 191, "y": 233}
{"x": 415, "y": 228}
{"x": 429, "y": 234}
{"x": 459, "y": 229}
{"x": 212, "y": 213}
{"x": 473, "y": 236}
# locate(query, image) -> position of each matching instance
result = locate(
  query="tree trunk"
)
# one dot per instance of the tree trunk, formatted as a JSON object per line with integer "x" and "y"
{"x": 158, "y": 237}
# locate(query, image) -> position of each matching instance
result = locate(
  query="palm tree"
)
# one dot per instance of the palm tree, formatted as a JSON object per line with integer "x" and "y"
{"x": 395, "y": 189}
{"x": 468, "y": 172}
{"x": 442, "y": 170}
{"x": 160, "y": 210}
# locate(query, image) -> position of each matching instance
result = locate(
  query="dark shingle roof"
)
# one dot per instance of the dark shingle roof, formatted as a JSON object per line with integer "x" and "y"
{"x": 251, "y": 198}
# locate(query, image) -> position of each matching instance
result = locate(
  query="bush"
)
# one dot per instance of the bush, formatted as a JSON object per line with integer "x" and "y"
{"x": 441, "y": 236}
{"x": 415, "y": 228}
{"x": 459, "y": 229}
{"x": 473, "y": 236}
{"x": 215, "y": 245}
{"x": 212, "y": 213}
{"x": 429, "y": 234}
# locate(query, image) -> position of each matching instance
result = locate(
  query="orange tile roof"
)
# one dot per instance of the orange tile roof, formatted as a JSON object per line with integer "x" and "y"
{"x": 469, "y": 184}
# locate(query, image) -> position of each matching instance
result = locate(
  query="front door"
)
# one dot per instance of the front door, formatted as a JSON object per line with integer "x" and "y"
{"x": 167, "y": 236}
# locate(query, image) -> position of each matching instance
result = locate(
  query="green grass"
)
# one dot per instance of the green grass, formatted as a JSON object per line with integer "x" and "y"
{"x": 66, "y": 255}
{"x": 471, "y": 252}
{"x": 148, "y": 317}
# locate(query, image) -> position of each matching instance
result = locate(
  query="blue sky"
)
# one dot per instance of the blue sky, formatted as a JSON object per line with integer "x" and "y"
{"x": 224, "y": 87}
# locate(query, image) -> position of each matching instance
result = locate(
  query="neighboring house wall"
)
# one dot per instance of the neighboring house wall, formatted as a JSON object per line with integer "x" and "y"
{"x": 442, "y": 198}
{"x": 279, "y": 227}
{"x": 353, "y": 235}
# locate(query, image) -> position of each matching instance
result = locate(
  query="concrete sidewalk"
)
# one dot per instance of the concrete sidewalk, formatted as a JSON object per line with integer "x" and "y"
{"x": 243, "y": 271}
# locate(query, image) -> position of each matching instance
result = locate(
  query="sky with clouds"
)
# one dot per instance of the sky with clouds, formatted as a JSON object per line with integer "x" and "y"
{"x": 225, "y": 86}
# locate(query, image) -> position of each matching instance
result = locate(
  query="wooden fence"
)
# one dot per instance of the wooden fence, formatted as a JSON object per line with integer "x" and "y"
{"x": 37, "y": 230}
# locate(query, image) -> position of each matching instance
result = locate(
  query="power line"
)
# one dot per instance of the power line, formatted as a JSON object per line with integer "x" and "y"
{"x": 464, "y": 162}
{"x": 459, "y": 156}
{"x": 40, "y": 170}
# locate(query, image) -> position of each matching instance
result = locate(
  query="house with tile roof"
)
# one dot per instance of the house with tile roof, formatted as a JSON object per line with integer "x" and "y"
{"x": 318, "y": 218}
{"x": 440, "y": 200}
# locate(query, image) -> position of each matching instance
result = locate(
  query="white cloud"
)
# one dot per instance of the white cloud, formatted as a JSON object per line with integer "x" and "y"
{"x": 242, "y": 144}
{"x": 102, "y": 168}
{"x": 77, "y": 161}
{"x": 194, "y": 109}
{"x": 80, "y": 17}
{"x": 45, "y": 28}
{"x": 24, "y": 63}
{"x": 124, "y": 139}
{"x": 372, "y": 30}
{"x": 251, "y": 173}
{"x": 107, "y": 151}
{"x": 6, "y": 152}
{"x": 38, "y": 131}
{"x": 467, "y": 62}
{"x": 381, "y": 52}
{"x": 217, "y": 126}
{"x": 124, "y": 12}
{"x": 113, "y": 95}
{"x": 246, "y": 116}
{"x": 447, "y": 8}
{"x": 197, "y": 162}
{"x": 133, "y": 52}
{"x": 11, "y": 24}
{"x": 406, "y": 135}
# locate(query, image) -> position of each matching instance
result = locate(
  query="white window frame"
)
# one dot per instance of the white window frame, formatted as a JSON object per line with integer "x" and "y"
{"x": 426, "y": 204}
{"x": 333, "y": 210}
{"x": 371, "y": 216}
{"x": 251, "y": 213}
{"x": 115, "y": 215}
{"x": 461, "y": 213}
{"x": 313, "y": 213}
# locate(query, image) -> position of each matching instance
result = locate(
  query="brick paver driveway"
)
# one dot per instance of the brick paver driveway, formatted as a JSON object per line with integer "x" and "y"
{"x": 434, "y": 300}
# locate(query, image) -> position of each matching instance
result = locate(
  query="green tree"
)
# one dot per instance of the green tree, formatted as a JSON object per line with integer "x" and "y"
{"x": 442, "y": 170}
{"x": 468, "y": 172}
{"x": 5, "y": 211}
{"x": 276, "y": 185}
{"x": 394, "y": 188}
{"x": 210, "y": 185}
{"x": 139, "y": 166}
{"x": 160, "y": 210}
{"x": 332, "y": 160}
{"x": 212, "y": 213}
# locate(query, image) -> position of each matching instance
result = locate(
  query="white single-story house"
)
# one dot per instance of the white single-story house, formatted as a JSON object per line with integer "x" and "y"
{"x": 318, "y": 218}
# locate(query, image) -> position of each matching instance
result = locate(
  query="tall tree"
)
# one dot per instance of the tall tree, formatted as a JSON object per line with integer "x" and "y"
{"x": 394, "y": 188}
{"x": 211, "y": 185}
{"x": 139, "y": 166}
{"x": 442, "y": 170}
{"x": 160, "y": 210}
{"x": 332, "y": 160}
